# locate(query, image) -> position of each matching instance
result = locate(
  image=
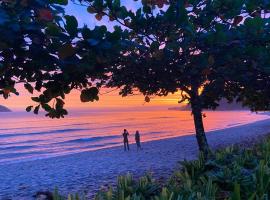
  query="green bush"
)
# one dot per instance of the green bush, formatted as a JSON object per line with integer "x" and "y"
{"x": 229, "y": 174}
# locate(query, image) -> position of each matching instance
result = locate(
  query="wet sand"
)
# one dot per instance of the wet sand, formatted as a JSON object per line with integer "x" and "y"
{"x": 88, "y": 171}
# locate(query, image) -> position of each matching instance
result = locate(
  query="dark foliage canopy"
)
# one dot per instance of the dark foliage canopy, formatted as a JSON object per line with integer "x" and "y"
{"x": 44, "y": 49}
{"x": 219, "y": 47}
{"x": 160, "y": 47}
{"x": 205, "y": 49}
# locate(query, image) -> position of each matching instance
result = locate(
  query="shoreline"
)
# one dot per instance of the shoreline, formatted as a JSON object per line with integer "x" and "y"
{"x": 88, "y": 171}
{"x": 233, "y": 125}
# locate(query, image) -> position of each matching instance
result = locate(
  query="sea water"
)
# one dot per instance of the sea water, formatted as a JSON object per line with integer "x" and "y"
{"x": 25, "y": 136}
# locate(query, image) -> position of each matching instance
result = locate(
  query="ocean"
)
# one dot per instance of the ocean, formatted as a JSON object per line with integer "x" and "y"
{"x": 25, "y": 136}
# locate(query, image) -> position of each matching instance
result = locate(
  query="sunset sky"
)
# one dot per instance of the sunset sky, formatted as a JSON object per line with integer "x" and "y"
{"x": 111, "y": 99}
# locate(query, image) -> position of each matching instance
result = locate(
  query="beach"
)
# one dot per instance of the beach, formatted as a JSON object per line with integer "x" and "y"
{"x": 87, "y": 172}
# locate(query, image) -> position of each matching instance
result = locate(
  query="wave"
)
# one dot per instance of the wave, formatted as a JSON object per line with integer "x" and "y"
{"x": 42, "y": 132}
{"x": 82, "y": 140}
{"x": 234, "y": 124}
{"x": 16, "y": 147}
{"x": 19, "y": 154}
{"x": 37, "y": 127}
{"x": 21, "y": 142}
{"x": 154, "y": 132}
{"x": 94, "y": 146}
{"x": 112, "y": 126}
{"x": 10, "y": 134}
{"x": 164, "y": 117}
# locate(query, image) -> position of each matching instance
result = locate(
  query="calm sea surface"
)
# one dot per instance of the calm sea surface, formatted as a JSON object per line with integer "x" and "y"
{"x": 25, "y": 136}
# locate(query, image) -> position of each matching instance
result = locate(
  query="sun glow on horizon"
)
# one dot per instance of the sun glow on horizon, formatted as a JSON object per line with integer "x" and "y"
{"x": 107, "y": 100}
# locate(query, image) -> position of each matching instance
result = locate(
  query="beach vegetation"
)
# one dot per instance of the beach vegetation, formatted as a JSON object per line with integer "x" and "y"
{"x": 232, "y": 173}
{"x": 57, "y": 196}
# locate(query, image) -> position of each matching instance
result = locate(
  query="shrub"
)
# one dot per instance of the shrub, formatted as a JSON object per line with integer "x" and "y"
{"x": 228, "y": 174}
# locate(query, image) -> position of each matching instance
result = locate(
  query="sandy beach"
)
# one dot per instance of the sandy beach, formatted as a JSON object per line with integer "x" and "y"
{"x": 88, "y": 171}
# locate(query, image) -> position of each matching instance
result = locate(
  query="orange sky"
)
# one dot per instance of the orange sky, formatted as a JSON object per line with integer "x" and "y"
{"x": 111, "y": 99}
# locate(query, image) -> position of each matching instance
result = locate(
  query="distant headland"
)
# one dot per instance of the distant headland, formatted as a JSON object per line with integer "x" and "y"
{"x": 4, "y": 109}
{"x": 223, "y": 106}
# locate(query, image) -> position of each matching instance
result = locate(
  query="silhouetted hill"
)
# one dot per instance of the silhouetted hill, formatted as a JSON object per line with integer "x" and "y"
{"x": 223, "y": 106}
{"x": 4, "y": 109}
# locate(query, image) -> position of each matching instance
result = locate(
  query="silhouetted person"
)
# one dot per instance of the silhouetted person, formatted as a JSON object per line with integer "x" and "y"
{"x": 125, "y": 136}
{"x": 138, "y": 140}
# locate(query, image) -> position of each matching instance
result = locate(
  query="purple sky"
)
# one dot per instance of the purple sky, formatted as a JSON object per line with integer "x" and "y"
{"x": 84, "y": 17}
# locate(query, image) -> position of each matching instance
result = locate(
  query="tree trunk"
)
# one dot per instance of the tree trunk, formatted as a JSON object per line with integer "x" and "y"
{"x": 198, "y": 122}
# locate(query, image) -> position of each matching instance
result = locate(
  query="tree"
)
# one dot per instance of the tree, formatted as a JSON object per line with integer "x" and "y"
{"x": 194, "y": 47}
{"x": 198, "y": 47}
{"x": 253, "y": 74}
{"x": 44, "y": 49}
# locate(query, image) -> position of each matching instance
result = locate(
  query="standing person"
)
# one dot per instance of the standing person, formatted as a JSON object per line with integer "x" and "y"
{"x": 138, "y": 140}
{"x": 125, "y": 136}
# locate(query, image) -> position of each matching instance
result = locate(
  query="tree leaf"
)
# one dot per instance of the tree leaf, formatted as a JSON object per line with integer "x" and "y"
{"x": 29, "y": 88}
{"x": 53, "y": 29}
{"x": 3, "y": 17}
{"x": 46, "y": 107}
{"x": 28, "y": 108}
{"x": 71, "y": 25}
{"x": 211, "y": 60}
{"x": 45, "y": 14}
{"x": 116, "y": 3}
{"x": 86, "y": 33}
{"x": 36, "y": 109}
{"x": 89, "y": 95}
{"x": 91, "y": 9}
{"x": 93, "y": 42}
{"x": 36, "y": 99}
{"x": 66, "y": 51}
{"x": 237, "y": 20}
{"x": 60, "y": 2}
{"x": 99, "y": 16}
{"x": 147, "y": 99}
